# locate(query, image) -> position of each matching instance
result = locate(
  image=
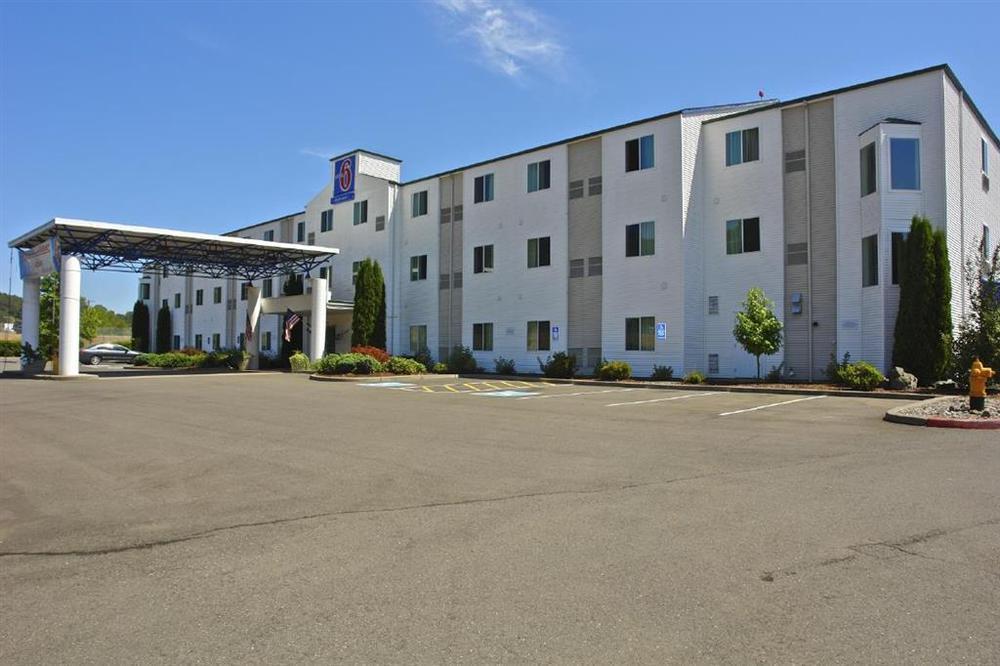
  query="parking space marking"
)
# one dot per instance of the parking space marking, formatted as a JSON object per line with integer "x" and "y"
{"x": 773, "y": 404}
{"x": 506, "y": 393}
{"x": 386, "y": 384}
{"x": 573, "y": 395}
{"x": 675, "y": 397}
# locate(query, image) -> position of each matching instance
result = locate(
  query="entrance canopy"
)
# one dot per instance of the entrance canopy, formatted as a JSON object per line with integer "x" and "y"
{"x": 131, "y": 248}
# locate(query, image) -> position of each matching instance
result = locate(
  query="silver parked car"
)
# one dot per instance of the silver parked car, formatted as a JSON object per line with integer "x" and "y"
{"x": 107, "y": 353}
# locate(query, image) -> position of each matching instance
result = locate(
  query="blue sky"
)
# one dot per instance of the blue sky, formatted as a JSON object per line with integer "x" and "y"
{"x": 213, "y": 116}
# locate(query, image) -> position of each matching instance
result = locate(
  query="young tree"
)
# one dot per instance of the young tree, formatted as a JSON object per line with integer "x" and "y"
{"x": 366, "y": 302}
{"x": 140, "y": 326}
{"x": 757, "y": 328}
{"x": 164, "y": 330}
{"x": 48, "y": 310}
{"x": 922, "y": 334}
{"x": 979, "y": 334}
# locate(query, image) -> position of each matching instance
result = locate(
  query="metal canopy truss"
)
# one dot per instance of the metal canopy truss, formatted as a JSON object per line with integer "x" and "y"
{"x": 102, "y": 245}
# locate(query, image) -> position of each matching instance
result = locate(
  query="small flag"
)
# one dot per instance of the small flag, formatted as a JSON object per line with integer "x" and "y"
{"x": 291, "y": 319}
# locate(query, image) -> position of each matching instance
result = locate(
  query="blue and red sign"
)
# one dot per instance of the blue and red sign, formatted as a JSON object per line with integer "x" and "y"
{"x": 344, "y": 172}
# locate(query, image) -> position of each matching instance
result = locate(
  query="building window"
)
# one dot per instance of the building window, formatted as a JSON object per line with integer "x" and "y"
{"x": 742, "y": 146}
{"x": 869, "y": 261}
{"x": 216, "y": 341}
{"x": 538, "y": 252}
{"x": 177, "y": 300}
{"x": 265, "y": 344}
{"x": 713, "y": 305}
{"x": 482, "y": 337}
{"x": 326, "y": 220}
{"x": 164, "y": 302}
{"x": 418, "y": 268}
{"x": 985, "y": 148}
{"x": 419, "y": 205}
{"x": 483, "y": 190}
{"x": 144, "y": 291}
{"x": 539, "y": 176}
{"x": 639, "y": 153}
{"x": 986, "y": 242}
{"x": 241, "y": 341}
{"x": 243, "y": 290}
{"x": 266, "y": 288}
{"x": 713, "y": 364}
{"x": 217, "y": 295}
{"x": 300, "y": 232}
{"x": 743, "y": 235}
{"x": 177, "y": 342}
{"x": 640, "y": 239}
{"x": 418, "y": 338}
{"x": 199, "y": 297}
{"x": 197, "y": 341}
{"x": 869, "y": 173}
{"x": 360, "y": 212}
{"x": 269, "y": 235}
{"x": 355, "y": 267}
{"x": 640, "y": 334}
{"x": 482, "y": 259}
{"x": 538, "y": 336}
{"x": 898, "y": 247}
{"x": 904, "y": 155}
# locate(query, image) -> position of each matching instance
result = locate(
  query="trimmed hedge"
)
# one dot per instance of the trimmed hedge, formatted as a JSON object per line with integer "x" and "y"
{"x": 399, "y": 365}
{"x": 188, "y": 358}
{"x": 363, "y": 364}
{"x": 10, "y": 348}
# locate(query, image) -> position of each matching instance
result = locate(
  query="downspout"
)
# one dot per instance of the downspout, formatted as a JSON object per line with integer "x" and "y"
{"x": 809, "y": 244}
{"x": 394, "y": 191}
{"x": 961, "y": 194}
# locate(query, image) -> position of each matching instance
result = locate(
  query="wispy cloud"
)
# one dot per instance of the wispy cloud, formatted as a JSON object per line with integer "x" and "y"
{"x": 322, "y": 153}
{"x": 511, "y": 37}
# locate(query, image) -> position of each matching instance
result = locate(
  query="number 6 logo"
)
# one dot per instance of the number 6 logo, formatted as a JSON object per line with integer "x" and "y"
{"x": 345, "y": 175}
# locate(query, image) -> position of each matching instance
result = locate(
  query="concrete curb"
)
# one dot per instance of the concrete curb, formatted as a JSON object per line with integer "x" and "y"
{"x": 894, "y": 415}
{"x": 679, "y": 386}
{"x": 376, "y": 378}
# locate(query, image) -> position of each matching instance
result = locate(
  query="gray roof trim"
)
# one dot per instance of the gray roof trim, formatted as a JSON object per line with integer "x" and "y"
{"x": 260, "y": 224}
{"x": 367, "y": 152}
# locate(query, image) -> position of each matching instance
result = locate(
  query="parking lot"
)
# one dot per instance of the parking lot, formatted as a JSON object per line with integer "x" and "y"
{"x": 264, "y": 518}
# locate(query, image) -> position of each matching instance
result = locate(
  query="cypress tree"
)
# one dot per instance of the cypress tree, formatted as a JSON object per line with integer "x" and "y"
{"x": 366, "y": 301}
{"x": 140, "y": 326}
{"x": 942, "y": 331}
{"x": 163, "y": 330}
{"x": 379, "y": 334}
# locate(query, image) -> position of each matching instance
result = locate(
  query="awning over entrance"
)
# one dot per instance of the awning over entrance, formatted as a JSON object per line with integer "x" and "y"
{"x": 136, "y": 249}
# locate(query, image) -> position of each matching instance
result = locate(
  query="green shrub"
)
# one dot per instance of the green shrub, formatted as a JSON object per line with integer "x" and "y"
{"x": 399, "y": 365}
{"x": 267, "y": 361}
{"x": 461, "y": 360}
{"x": 380, "y": 355}
{"x": 504, "y": 366}
{"x": 560, "y": 364}
{"x": 299, "y": 362}
{"x": 172, "y": 360}
{"x": 348, "y": 364}
{"x": 614, "y": 370}
{"x": 141, "y": 360}
{"x": 10, "y": 348}
{"x": 326, "y": 365}
{"x": 440, "y": 369}
{"x": 424, "y": 358}
{"x": 662, "y": 373}
{"x": 694, "y": 377}
{"x": 860, "y": 376}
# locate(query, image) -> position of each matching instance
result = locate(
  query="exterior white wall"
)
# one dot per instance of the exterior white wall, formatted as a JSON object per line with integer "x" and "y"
{"x": 651, "y": 285}
{"x": 512, "y": 295}
{"x": 751, "y": 189}
{"x": 417, "y": 301}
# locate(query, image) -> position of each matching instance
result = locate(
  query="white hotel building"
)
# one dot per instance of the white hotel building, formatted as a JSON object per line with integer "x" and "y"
{"x": 588, "y": 244}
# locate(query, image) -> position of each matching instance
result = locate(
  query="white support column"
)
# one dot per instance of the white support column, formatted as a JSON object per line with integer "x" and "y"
{"x": 253, "y": 313}
{"x": 69, "y": 317}
{"x": 317, "y": 341}
{"x": 30, "y": 293}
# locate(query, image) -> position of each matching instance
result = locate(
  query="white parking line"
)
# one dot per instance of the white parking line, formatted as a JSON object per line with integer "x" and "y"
{"x": 675, "y": 397}
{"x": 773, "y": 404}
{"x": 571, "y": 395}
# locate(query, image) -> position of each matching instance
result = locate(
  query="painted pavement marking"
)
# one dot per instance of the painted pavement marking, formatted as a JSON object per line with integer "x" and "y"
{"x": 773, "y": 404}
{"x": 675, "y": 397}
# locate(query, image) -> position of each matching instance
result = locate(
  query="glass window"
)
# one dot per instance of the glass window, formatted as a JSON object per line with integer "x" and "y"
{"x": 326, "y": 220}
{"x": 640, "y": 239}
{"x": 418, "y": 268}
{"x": 639, "y": 153}
{"x": 985, "y": 147}
{"x": 905, "y": 159}
{"x": 869, "y": 261}
{"x": 197, "y": 341}
{"x": 217, "y": 295}
{"x": 269, "y": 235}
{"x": 734, "y": 148}
{"x": 539, "y": 176}
{"x": 742, "y": 146}
{"x": 869, "y": 175}
{"x": 300, "y": 232}
{"x": 199, "y": 297}
{"x": 631, "y": 156}
{"x": 243, "y": 291}
{"x": 419, "y": 205}
{"x": 482, "y": 337}
{"x": 987, "y": 245}
{"x": 898, "y": 247}
{"x": 640, "y": 334}
{"x": 743, "y": 235}
{"x": 538, "y": 335}
{"x": 538, "y": 252}
{"x": 483, "y": 188}
{"x": 177, "y": 342}
{"x": 360, "y": 212}
{"x": 734, "y": 236}
{"x": 751, "y": 144}
{"x": 646, "y": 152}
{"x": 177, "y": 300}
{"x": 418, "y": 338}
{"x": 266, "y": 288}
{"x": 144, "y": 291}
{"x": 482, "y": 259}
{"x": 216, "y": 341}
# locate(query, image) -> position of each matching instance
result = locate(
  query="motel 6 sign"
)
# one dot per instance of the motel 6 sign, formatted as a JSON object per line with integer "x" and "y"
{"x": 344, "y": 171}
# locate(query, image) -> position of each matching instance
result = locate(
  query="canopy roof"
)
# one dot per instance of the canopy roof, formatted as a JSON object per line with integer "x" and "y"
{"x": 126, "y": 247}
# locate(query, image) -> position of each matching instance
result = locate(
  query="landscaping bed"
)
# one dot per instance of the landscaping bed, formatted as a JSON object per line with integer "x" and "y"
{"x": 948, "y": 412}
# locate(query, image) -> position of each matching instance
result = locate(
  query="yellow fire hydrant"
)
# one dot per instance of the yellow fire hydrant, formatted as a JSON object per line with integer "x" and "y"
{"x": 978, "y": 376}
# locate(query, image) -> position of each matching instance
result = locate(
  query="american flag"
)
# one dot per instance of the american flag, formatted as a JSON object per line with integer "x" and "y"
{"x": 249, "y": 332}
{"x": 291, "y": 319}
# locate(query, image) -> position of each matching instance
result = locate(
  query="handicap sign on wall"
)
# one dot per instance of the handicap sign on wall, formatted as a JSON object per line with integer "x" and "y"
{"x": 661, "y": 330}
{"x": 555, "y": 332}
{"x": 344, "y": 171}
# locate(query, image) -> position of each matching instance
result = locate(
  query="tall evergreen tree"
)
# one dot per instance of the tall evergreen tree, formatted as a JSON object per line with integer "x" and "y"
{"x": 379, "y": 334}
{"x": 366, "y": 301}
{"x": 140, "y": 326}
{"x": 922, "y": 333}
{"x": 164, "y": 330}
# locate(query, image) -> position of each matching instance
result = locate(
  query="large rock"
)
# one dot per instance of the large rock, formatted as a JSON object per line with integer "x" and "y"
{"x": 901, "y": 380}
